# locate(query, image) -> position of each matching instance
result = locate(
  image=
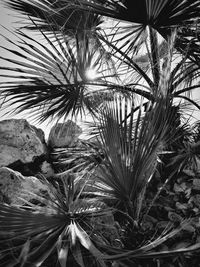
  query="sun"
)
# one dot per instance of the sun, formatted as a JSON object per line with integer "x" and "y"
{"x": 91, "y": 74}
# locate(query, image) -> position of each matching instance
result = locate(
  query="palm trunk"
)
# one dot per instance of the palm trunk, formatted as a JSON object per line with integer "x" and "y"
{"x": 155, "y": 64}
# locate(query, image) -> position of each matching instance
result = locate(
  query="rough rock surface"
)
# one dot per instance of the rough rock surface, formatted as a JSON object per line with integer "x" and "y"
{"x": 19, "y": 141}
{"x": 14, "y": 187}
{"x": 46, "y": 169}
{"x": 64, "y": 134}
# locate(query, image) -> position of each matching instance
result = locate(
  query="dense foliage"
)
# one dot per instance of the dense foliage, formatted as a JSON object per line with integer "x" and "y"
{"x": 130, "y": 195}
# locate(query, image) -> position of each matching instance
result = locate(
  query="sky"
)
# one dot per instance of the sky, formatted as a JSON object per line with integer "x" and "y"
{"x": 8, "y": 20}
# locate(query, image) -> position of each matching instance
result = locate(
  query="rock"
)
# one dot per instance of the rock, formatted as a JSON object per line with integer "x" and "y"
{"x": 47, "y": 170}
{"x": 40, "y": 134}
{"x": 64, "y": 134}
{"x": 14, "y": 186}
{"x": 20, "y": 141}
{"x": 29, "y": 169}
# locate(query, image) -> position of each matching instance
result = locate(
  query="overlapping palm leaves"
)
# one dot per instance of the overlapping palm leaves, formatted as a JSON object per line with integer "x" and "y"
{"x": 148, "y": 67}
{"x": 30, "y": 234}
{"x": 145, "y": 12}
{"x": 131, "y": 147}
{"x": 57, "y": 16}
{"x": 51, "y": 78}
{"x": 162, "y": 17}
{"x": 52, "y": 81}
{"x": 126, "y": 38}
{"x": 159, "y": 15}
{"x": 185, "y": 151}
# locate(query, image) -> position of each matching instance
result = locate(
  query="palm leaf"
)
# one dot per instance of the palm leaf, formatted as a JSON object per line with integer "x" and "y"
{"x": 145, "y": 251}
{"x": 54, "y": 75}
{"x": 130, "y": 150}
{"x": 161, "y": 16}
{"x": 56, "y": 16}
{"x": 20, "y": 225}
{"x": 51, "y": 78}
{"x": 46, "y": 231}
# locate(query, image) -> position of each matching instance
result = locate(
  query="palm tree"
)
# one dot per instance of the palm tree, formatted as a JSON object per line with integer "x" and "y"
{"x": 97, "y": 46}
{"x": 143, "y": 58}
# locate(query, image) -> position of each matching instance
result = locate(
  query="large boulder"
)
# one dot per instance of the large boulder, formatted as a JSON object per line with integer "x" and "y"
{"x": 64, "y": 134}
{"x": 20, "y": 141}
{"x": 15, "y": 188}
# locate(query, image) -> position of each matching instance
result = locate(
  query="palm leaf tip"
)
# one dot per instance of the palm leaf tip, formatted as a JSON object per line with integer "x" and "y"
{"x": 56, "y": 16}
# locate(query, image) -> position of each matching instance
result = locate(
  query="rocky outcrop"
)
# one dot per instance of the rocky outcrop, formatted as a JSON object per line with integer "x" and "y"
{"x": 24, "y": 156}
{"x": 19, "y": 141}
{"x": 64, "y": 135}
{"x": 15, "y": 189}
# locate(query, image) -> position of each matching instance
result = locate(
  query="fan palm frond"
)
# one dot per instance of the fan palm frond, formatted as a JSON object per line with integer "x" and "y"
{"x": 57, "y": 16}
{"x": 52, "y": 79}
{"x": 32, "y": 233}
{"x": 178, "y": 75}
{"x": 59, "y": 224}
{"x": 131, "y": 149}
{"x": 117, "y": 48}
{"x": 162, "y": 17}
